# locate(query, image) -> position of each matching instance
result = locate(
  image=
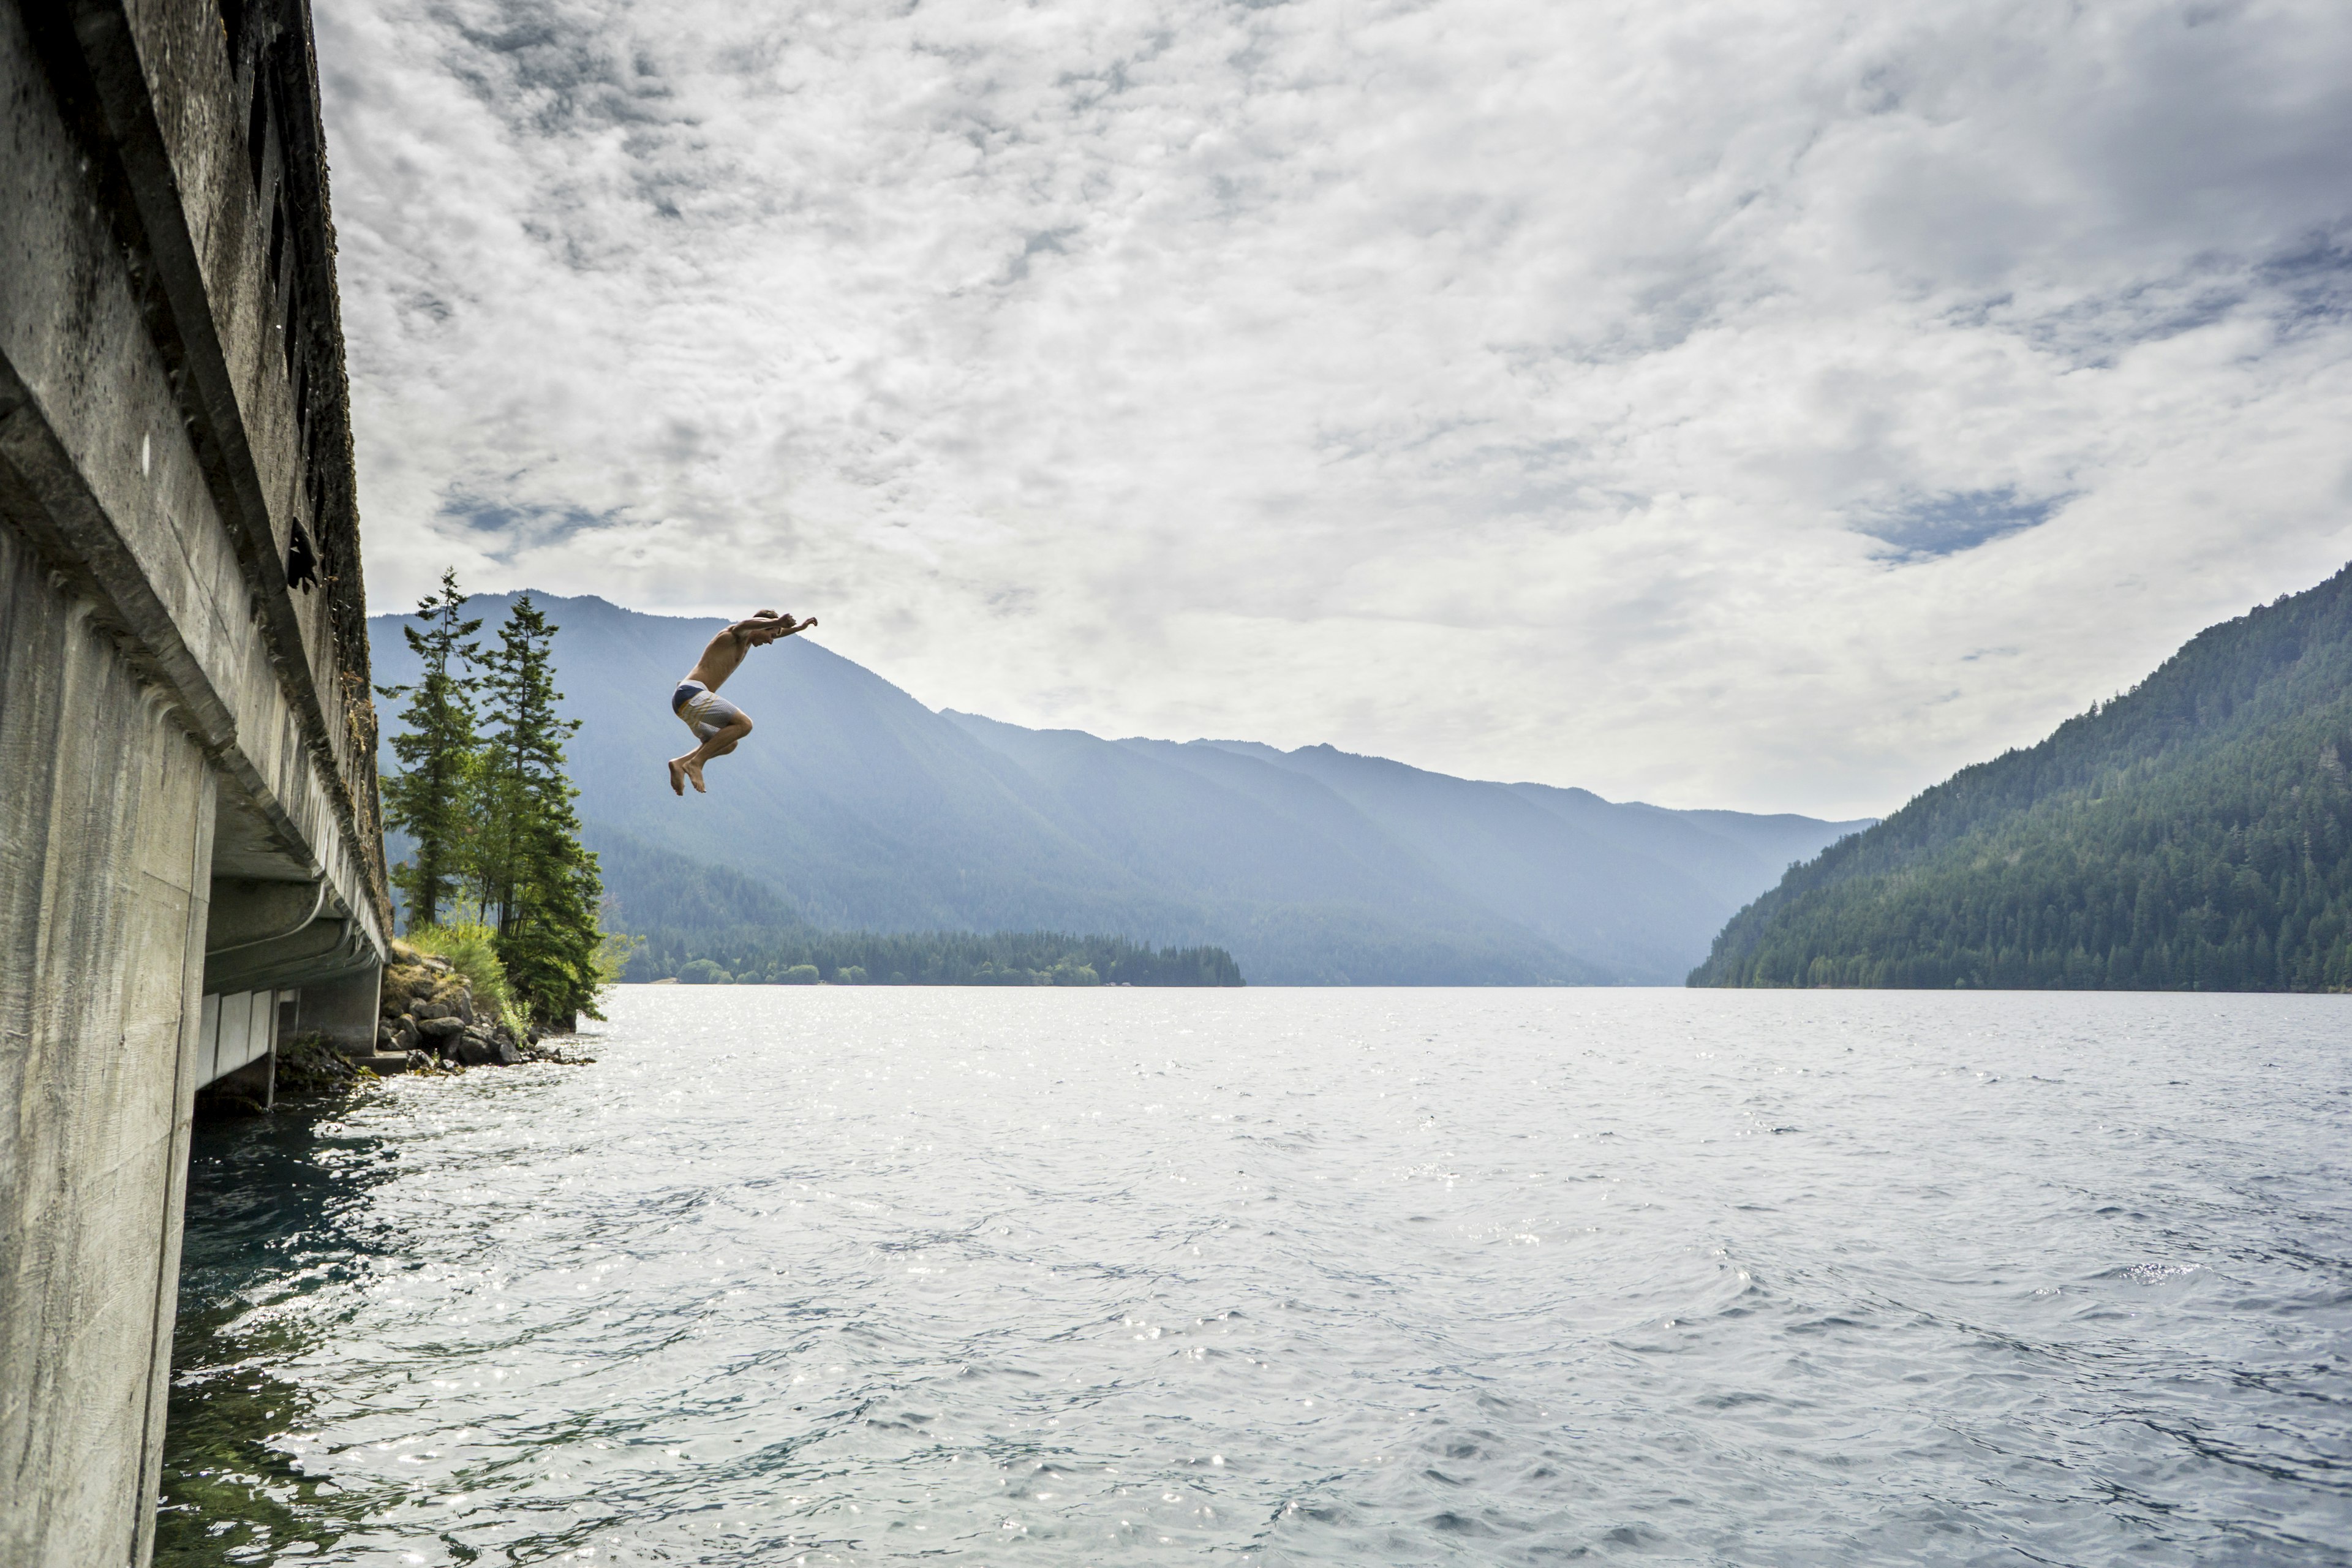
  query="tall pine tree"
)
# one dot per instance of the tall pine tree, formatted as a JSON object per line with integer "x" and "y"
{"x": 432, "y": 797}
{"x": 537, "y": 883}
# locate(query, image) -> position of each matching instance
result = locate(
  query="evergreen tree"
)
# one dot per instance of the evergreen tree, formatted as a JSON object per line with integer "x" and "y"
{"x": 432, "y": 797}
{"x": 537, "y": 885}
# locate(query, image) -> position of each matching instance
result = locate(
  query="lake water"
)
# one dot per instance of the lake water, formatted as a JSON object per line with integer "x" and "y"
{"x": 1297, "y": 1276}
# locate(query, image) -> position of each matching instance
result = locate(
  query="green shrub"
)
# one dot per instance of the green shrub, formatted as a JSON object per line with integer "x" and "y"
{"x": 470, "y": 951}
{"x": 801, "y": 975}
{"x": 702, "y": 971}
{"x": 615, "y": 949}
{"x": 849, "y": 974}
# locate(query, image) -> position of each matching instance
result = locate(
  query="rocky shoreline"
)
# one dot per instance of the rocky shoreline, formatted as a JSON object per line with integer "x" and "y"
{"x": 426, "y": 1022}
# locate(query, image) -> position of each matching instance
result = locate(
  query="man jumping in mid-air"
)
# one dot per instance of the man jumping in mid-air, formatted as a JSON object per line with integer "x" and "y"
{"x": 717, "y": 724}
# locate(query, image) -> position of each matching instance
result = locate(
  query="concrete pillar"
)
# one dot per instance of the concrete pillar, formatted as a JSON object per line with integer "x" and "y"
{"x": 105, "y": 850}
{"x": 257, "y": 1080}
{"x": 344, "y": 1010}
{"x": 173, "y": 420}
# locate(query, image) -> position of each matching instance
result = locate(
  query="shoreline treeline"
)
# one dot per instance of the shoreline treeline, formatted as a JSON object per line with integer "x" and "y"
{"x": 754, "y": 955}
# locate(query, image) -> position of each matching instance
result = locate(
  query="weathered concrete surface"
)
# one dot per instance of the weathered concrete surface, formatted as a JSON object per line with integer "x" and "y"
{"x": 344, "y": 1010}
{"x": 186, "y": 785}
{"x": 104, "y": 844}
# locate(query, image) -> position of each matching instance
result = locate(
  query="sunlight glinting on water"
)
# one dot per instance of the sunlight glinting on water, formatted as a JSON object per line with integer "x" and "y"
{"x": 840, "y": 1275}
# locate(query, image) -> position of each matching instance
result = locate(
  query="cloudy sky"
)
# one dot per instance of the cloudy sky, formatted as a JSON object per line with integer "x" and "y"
{"x": 1762, "y": 405}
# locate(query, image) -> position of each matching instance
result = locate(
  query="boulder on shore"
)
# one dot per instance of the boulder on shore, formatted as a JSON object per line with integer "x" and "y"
{"x": 427, "y": 1008}
{"x": 477, "y": 1049}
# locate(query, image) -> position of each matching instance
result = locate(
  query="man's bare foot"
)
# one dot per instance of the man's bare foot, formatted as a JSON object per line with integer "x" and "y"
{"x": 676, "y": 776}
{"x": 694, "y": 771}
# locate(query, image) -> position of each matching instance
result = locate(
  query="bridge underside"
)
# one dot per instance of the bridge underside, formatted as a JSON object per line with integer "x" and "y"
{"x": 190, "y": 861}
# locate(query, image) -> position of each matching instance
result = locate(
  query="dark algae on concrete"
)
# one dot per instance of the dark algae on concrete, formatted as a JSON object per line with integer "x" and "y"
{"x": 2194, "y": 833}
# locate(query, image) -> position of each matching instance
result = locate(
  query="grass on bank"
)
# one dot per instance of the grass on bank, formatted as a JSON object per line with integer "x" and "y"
{"x": 472, "y": 951}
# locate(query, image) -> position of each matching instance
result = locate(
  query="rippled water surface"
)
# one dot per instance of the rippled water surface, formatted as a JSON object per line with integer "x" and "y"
{"x": 1292, "y": 1277}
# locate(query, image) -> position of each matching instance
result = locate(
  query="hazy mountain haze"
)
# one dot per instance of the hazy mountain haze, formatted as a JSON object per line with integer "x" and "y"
{"x": 851, "y": 804}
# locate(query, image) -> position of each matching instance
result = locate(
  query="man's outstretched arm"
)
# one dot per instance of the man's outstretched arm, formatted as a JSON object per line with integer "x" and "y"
{"x": 770, "y": 626}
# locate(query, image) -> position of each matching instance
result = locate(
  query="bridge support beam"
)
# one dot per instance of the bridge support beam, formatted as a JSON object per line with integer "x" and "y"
{"x": 344, "y": 1010}
{"x": 183, "y": 713}
{"x": 105, "y": 845}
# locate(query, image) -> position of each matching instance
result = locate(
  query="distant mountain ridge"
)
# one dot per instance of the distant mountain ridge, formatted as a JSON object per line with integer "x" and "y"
{"x": 851, "y": 806}
{"x": 2193, "y": 834}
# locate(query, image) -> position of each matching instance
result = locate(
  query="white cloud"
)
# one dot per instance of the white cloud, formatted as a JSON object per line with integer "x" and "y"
{"x": 1610, "y": 395}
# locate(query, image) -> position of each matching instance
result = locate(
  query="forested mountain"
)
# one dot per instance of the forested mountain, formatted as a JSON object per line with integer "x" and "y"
{"x": 797, "y": 955}
{"x": 851, "y": 806}
{"x": 2194, "y": 833}
{"x": 708, "y": 924}
{"x": 1616, "y": 887}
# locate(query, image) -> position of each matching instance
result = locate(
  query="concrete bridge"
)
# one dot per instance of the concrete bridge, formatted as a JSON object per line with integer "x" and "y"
{"x": 191, "y": 863}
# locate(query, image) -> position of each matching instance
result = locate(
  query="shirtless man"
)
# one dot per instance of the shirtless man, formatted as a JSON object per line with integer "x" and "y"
{"x": 717, "y": 724}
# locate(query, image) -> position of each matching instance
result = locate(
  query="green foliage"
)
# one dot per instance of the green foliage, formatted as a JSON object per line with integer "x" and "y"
{"x": 796, "y": 956}
{"x": 614, "y": 951}
{"x": 702, "y": 971}
{"x": 492, "y": 818}
{"x": 473, "y": 951}
{"x": 432, "y": 797}
{"x": 531, "y": 874}
{"x": 2193, "y": 835}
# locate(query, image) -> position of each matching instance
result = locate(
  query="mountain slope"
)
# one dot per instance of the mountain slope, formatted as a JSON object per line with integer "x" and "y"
{"x": 1293, "y": 874}
{"x": 853, "y": 805}
{"x": 2195, "y": 833}
{"x": 1626, "y": 886}
{"x": 851, "y": 799}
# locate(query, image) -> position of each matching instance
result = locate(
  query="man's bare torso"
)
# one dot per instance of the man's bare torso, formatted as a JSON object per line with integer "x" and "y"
{"x": 724, "y": 654}
{"x": 721, "y": 659}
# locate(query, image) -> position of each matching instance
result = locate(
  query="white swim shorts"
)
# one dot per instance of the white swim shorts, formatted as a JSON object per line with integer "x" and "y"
{"x": 704, "y": 711}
